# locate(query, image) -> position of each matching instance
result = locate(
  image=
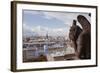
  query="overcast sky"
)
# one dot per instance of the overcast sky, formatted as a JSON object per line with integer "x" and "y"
{"x": 53, "y": 23}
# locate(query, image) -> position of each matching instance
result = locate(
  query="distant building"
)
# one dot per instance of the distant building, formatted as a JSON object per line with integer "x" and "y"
{"x": 53, "y": 49}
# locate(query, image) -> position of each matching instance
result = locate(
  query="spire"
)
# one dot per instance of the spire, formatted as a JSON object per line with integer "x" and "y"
{"x": 47, "y": 35}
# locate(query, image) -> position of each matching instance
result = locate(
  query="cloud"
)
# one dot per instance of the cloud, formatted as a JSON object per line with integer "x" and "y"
{"x": 67, "y": 17}
{"x": 42, "y": 31}
{"x": 64, "y": 17}
{"x": 51, "y": 31}
{"x": 32, "y": 12}
{"x": 27, "y": 31}
{"x": 26, "y": 27}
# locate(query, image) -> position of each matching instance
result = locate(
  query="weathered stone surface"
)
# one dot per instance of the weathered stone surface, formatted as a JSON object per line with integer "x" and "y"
{"x": 81, "y": 38}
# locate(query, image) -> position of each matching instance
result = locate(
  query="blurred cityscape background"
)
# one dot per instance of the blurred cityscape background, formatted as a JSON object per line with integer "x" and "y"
{"x": 45, "y": 35}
